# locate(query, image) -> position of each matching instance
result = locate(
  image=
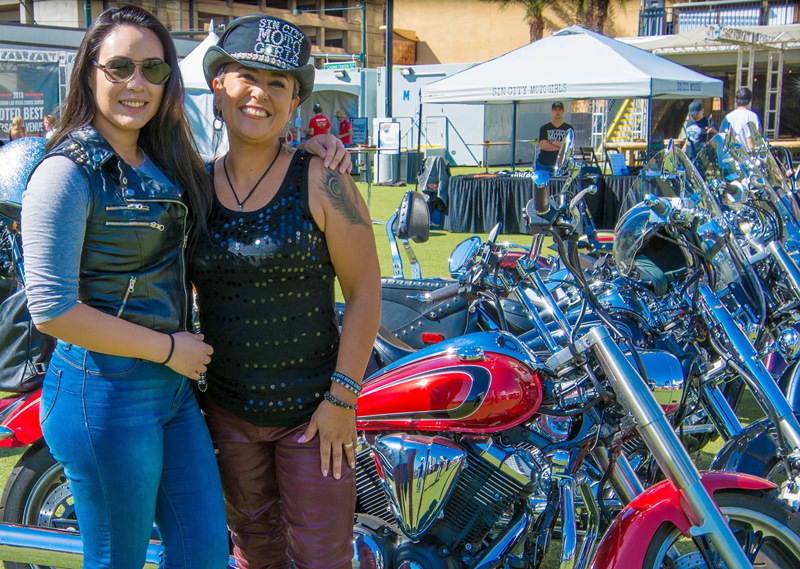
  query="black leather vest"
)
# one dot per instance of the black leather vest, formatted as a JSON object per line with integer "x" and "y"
{"x": 132, "y": 264}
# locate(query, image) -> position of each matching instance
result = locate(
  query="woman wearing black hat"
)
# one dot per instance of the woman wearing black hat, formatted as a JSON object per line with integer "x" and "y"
{"x": 283, "y": 384}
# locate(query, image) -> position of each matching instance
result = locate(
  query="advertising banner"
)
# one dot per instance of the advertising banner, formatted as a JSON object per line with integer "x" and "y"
{"x": 28, "y": 90}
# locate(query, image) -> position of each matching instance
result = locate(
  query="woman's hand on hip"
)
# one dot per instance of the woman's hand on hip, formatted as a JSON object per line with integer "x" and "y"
{"x": 190, "y": 355}
{"x": 337, "y": 435}
{"x": 332, "y": 151}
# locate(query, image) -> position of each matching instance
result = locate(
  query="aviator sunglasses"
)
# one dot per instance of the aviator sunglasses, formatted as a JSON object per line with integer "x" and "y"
{"x": 120, "y": 69}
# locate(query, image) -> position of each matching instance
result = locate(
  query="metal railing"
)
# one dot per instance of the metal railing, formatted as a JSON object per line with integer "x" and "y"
{"x": 681, "y": 18}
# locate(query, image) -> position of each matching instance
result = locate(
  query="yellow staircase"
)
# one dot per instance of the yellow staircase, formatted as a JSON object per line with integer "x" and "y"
{"x": 629, "y": 123}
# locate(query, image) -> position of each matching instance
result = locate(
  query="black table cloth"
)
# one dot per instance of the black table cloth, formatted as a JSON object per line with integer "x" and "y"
{"x": 477, "y": 203}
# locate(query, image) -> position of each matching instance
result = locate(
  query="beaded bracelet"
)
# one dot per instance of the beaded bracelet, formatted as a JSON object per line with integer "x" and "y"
{"x": 346, "y": 382}
{"x": 338, "y": 402}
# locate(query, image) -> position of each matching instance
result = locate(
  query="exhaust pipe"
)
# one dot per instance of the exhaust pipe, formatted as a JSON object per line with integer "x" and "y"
{"x": 56, "y": 548}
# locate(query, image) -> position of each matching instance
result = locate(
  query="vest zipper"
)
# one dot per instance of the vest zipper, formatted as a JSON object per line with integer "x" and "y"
{"x": 151, "y": 224}
{"x": 129, "y": 207}
{"x": 131, "y": 285}
{"x": 182, "y": 257}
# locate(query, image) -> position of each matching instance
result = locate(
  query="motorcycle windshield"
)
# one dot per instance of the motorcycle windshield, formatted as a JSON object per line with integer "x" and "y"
{"x": 632, "y": 230}
{"x": 671, "y": 174}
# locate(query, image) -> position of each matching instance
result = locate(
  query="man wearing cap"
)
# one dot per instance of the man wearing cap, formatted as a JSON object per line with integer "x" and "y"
{"x": 551, "y": 136}
{"x": 699, "y": 129}
{"x": 319, "y": 123}
{"x": 345, "y": 129}
{"x": 738, "y": 120}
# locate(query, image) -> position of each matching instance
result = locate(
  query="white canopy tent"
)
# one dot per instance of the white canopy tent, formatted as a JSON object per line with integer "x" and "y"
{"x": 574, "y": 63}
{"x": 199, "y": 102}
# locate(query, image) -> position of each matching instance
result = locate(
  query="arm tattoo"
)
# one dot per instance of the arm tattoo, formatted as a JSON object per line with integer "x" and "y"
{"x": 343, "y": 199}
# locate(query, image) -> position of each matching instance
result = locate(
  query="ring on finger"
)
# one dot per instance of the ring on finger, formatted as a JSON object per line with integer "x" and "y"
{"x": 348, "y": 445}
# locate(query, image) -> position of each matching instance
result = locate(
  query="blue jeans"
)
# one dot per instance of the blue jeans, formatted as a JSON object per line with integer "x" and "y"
{"x": 135, "y": 449}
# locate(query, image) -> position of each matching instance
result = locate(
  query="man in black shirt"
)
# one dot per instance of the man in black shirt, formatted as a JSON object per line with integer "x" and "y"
{"x": 699, "y": 129}
{"x": 551, "y": 136}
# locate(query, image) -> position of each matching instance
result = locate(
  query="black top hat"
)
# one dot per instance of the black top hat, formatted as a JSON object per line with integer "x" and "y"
{"x": 263, "y": 42}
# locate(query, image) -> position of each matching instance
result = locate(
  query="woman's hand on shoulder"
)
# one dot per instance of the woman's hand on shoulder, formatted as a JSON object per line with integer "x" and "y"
{"x": 333, "y": 153}
{"x": 190, "y": 355}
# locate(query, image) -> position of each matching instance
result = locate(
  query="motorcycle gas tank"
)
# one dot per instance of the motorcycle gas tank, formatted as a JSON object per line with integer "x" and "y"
{"x": 478, "y": 383}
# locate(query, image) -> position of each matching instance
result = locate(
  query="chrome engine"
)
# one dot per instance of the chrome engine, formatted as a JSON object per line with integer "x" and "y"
{"x": 444, "y": 495}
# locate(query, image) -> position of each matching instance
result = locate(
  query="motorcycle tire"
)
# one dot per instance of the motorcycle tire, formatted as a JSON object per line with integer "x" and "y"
{"x": 770, "y": 527}
{"x": 37, "y": 494}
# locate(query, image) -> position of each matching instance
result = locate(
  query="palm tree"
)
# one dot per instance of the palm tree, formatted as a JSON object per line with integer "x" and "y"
{"x": 592, "y": 14}
{"x": 533, "y": 13}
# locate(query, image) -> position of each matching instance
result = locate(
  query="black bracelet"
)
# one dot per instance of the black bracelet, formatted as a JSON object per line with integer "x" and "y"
{"x": 330, "y": 398}
{"x": 171, "y": 349}
{"x": 346, "y": 382}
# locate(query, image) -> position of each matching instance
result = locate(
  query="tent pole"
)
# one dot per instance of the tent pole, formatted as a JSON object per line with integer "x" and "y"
{"x": 419, "y": 144}
{"x": 514, "y": 136}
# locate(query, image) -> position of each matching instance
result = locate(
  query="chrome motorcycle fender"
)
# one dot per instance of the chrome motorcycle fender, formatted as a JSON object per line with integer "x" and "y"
{"x": 625, "y": 543}
{"x": 753, "y": 451}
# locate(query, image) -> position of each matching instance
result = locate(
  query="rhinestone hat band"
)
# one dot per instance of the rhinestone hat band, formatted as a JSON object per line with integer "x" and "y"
{"x": 268, "y": 59}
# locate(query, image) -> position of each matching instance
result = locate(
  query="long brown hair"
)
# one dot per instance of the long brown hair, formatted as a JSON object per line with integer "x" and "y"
{"x": 166, "y": 138}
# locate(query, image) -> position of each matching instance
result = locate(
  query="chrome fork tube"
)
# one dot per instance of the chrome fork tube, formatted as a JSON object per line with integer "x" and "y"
{"x": 536, "y": 319}
{"x": 786, "y": 265}
{"x": 635, "y": 396}
{"x": 569, "y": 528}
{"x": 746, "y": 360}
{"x": 593, "y": 525}
{"x": 720, "y": 412}
{"x": 552, "y": 306}
{"x": 623, "y": 479}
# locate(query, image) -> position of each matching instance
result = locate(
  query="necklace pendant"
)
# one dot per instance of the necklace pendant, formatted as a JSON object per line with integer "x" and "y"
{"x": 240, "y": 207}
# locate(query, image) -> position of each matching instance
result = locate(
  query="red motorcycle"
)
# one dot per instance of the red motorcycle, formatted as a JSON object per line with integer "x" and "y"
{"x": 475, "y": 453}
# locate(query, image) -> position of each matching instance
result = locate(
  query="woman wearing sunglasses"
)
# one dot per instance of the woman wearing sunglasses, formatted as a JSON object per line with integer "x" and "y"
{"x": 107, "y": 216}
{"x": 282, "y": 385}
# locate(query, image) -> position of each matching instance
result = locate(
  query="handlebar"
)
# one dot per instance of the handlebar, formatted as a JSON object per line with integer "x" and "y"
{"x": 445, "y": 293}
{"x": 541, "y": 195}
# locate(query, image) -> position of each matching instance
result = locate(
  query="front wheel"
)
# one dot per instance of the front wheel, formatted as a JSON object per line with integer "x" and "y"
{"x": 37, "y": 494}
{"x": 767, "y": 528}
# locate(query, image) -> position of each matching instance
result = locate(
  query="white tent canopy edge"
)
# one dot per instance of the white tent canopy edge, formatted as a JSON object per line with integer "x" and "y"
{"x": 571, "y": 64}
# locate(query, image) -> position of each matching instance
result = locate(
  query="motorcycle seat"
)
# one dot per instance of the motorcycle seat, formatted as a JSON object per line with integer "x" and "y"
{"x": 389, "y": 348}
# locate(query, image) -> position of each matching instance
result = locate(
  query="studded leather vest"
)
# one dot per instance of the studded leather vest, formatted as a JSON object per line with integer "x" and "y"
{"x": 132, "y": 264}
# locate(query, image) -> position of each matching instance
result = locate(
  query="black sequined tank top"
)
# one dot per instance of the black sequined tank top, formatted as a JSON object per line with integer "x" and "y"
{"x": 265, "y": 291}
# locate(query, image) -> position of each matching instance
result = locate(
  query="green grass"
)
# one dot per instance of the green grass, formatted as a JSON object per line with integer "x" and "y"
{"x": 433, "y": 257}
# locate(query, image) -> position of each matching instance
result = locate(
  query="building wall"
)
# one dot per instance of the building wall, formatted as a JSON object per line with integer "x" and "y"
{"x": 461, "y": 31}
{"x": 458, "y": 31}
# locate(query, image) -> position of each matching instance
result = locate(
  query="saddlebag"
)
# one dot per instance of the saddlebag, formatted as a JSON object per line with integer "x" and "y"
{"x": 24, "y": 351}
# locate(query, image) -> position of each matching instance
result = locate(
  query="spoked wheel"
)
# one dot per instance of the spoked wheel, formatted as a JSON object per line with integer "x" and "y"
{"x": 767, "y": 528}
{"x": 37, "y": 494}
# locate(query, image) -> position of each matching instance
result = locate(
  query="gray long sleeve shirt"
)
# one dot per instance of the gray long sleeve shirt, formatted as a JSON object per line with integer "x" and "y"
{"x": 55, "y": 207}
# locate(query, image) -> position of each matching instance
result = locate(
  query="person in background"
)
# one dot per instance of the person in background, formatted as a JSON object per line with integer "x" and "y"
{"x": 551, "y": 136}
{"x": 49, "y": 124}
{"x": 319, "y": 123}
{"x": 699, "y": 129}
{"x": 284, "y": 381}
{"x": 17, "y": 129}
{"x": 739, "y": 119}
{"x": 345, "y": 128}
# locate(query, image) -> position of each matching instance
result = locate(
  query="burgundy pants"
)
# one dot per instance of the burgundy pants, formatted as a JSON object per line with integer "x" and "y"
{"x": 279, "y": 506}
